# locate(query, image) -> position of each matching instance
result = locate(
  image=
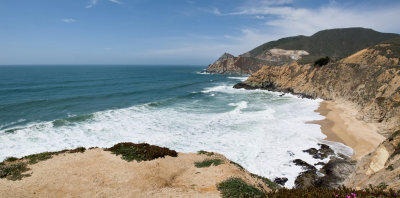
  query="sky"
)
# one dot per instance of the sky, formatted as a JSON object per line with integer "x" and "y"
{"x": 170, "y": 32}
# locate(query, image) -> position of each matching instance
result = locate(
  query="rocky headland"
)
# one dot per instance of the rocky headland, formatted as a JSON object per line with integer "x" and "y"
{"x": 335, "y": 43}
{"x": 366, "y": 82}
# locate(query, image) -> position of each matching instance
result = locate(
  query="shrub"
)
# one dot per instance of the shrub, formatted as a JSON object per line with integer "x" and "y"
{"x": 11, "y": 159}
{"x": 201, "y": 152}
{"x": 140, "y": 152}
{"x": 208, "y": 163}
{"x": 236, "y": 187}
{"x": 35, "y": 158}
{"x": 78, "y": 150}
{"x": 13, "y": 171}
{"x": 12, "y": 167}
{"x": 394, "y": 135}
{"x": 270, "y": 184}
{"x": 322, "y": 61}
{"x": 389, "y": 168}
{"x": 238, "y": 165}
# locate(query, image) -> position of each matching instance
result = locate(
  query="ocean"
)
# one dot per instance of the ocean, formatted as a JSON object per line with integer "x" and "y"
{"x": 50, "y": 108}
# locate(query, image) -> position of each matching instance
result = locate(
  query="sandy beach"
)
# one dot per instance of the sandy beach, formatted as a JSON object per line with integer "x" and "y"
{"x": 341, "y": 125}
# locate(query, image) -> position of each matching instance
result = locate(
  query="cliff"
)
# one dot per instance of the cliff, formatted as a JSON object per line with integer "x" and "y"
{"x": 236, "y": 65}
{"x": 369, "y": 80}
{"x": 247, "y": 65}
{"x": 374, "y": 90}
{"x": 335, "y": 43}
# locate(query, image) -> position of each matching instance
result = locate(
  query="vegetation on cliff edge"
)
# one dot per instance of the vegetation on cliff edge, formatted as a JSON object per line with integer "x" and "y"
{"x": 12, "y": 168}
{"x": 140, "y": 152}
{"x": 208, "y": 163}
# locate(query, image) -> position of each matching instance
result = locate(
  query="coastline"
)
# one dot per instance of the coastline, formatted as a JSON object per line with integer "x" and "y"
{"x": 341, "y": 125}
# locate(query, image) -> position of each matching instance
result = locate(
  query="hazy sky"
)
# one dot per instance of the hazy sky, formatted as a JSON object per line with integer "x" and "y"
{"x": 194, "y": 32}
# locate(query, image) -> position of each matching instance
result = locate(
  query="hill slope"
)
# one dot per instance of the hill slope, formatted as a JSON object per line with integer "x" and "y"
{"x": 336, "y": 43}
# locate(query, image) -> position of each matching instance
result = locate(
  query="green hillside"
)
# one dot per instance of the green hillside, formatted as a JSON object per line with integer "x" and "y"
{"x": 335, "y": 43}
{"x": 392, "y": 46}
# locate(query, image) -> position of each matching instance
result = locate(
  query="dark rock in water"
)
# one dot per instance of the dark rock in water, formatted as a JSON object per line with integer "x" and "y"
{"x": 243, "y": 85}
{"x": 306, "y": 166}
{"x": 320, "y": 163}
{"x": 301, "y": 95}
{"x": 336, "y": 171}
{"x": 326, "y": 150}
{"x": 311, "y": 151}
{"x": 281, "y": 180}
{"x": 323, "y": 152}
{"x": 270, "y": 86}
{"x": 306, "y": 179}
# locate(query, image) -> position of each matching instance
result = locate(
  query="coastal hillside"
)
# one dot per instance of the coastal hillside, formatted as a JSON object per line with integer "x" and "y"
{"x": 335, "y": 43}
{"x": 237, "y": 65}
{"x": 369, "y": 79}
{"x": 369, "y": 82}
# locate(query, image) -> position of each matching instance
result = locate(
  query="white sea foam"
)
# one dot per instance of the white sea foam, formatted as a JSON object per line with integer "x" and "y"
{"x": 12, "y": 123}
{"x": 203, "y": 73}
{"x": 262, "y": 132}
{"x": 241, "y": 78}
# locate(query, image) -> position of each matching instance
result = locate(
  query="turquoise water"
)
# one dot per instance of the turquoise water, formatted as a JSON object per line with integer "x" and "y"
{"x": 49, "y": 108}
{"x": 44, "y": 93}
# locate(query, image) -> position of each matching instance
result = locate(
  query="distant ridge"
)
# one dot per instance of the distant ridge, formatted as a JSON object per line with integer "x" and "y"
{"x": 336, "y": 43}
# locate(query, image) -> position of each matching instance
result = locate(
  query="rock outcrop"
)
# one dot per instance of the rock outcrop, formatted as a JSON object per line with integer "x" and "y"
{"x": 228, "y": 64}
{"x": 225, "y": 56}
{"x": 381, "y": 167}
{"x": 331, "y": 175}
{"x": 236, "y": 65}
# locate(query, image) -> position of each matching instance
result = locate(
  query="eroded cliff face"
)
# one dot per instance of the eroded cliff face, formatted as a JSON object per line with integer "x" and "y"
{"x": 245, "y": 64}
{"x": 236, "y": 66}
{"x": 382, "y": 167}
{"x": 368, "y": 80}
{"x": 373, "y": 90}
